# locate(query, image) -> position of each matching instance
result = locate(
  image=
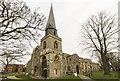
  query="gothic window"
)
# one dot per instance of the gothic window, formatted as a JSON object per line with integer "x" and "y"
{"x": 65, "y": 67}
{"x": 77, "y": 69}
{"x": 67, "y": 60}
{"x": 56, "y": 71}
{"x": 70, "y": 59}
{"x": 54, "y": 33}
{"x": 68, "y": 68}
{"x": 35, "y": 68}
{"x": 55, "y": 44}
{"x": 44, "y": 65}
{"x": 44, "y": 45}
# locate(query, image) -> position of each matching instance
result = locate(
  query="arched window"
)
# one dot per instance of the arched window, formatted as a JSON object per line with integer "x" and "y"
{"x": 55, "y": 44}
{"x": 54, "y": 32}
{"x": 44, "y": 61}
{"x": 44, "y": 65}
{"x": 35, "y": 69}
{"x": 56, "y": 71}
{"x": 44, "y": 45}
{"x": 68, "y": 68}
{"x": 70, "y": 59}
{"x": 77, "y": 69}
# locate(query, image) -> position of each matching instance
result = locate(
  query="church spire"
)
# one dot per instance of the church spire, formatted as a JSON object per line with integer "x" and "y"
{"x": 51, "y": 20}
{"x": 51, "y": 27}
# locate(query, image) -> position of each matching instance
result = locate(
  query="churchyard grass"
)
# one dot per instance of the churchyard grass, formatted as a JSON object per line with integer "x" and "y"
{"x": 28, "y": 78}
{"x": 12, "y": 74}
{"x": 99, "y": 76}
{"x": 24, "y": 77}
{"x": 46, "y": 80}
{"x": 71, "y": 77}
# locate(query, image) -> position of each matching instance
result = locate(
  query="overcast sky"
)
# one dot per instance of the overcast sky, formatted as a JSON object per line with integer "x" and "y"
{"x": 69, "y": 15}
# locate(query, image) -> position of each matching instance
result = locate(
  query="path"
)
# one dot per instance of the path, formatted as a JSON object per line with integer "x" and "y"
{"x": 12, "y": 77}
{"x": 84, "y": 78}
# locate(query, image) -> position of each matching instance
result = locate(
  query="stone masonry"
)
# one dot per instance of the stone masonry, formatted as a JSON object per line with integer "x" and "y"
{"x": 48, "y": 58}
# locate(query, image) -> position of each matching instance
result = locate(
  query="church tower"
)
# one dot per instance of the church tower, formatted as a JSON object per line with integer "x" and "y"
{"x": 51, "y": 56}
{"x": 51, "y": 42}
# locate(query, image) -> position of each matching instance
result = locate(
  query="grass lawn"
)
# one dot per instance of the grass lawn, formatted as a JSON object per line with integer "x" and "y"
{"x": 24, "y": 76}
{"x": 70, "y": 77}
{"x": 13, "y": 74}
{"x": 46, "y": 80}
{"x": 99, "y": 76}
{"x": 28, "y": 78}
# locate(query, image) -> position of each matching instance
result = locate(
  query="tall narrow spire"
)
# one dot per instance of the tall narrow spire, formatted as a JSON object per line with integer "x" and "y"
{"x": 51, "y": 27}
{"x": 51, "y": 20}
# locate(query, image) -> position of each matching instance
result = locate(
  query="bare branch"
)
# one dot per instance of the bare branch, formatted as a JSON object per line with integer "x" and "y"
{"x": 99, "y": 35}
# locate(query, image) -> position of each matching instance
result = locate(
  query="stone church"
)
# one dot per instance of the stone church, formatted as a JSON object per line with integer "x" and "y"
{"x": 48, "y": 58}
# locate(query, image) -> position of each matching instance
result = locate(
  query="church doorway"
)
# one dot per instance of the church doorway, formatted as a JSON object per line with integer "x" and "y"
{"x": 44, "y": 67}
{"x": 77, "y": 69}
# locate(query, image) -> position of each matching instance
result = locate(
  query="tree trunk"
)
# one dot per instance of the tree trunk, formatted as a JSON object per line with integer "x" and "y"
{"x": 5, "y": 69}
{"x": 106, "y": 66}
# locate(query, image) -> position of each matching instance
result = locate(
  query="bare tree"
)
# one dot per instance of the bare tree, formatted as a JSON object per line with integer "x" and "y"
{"x": 113, "y": 60}
{"x": 97, "y": 55}
{"x": 100, "y": 34}
{"x": 18, "y": 22}
{"x": 11, "y": 52}
{"x": 113, "y": 56}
